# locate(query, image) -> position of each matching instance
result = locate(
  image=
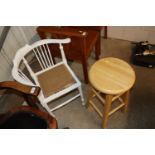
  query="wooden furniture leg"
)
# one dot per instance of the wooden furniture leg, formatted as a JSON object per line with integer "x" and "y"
{"x": 90, "y": 95}
{"x": 107, "y": 107}
{"x": 84, "y": 61}
{"x": 125, "y": 98}
{"x": 85, "y": 70}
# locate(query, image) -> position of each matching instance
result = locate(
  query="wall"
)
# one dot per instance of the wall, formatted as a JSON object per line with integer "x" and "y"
{"x": 132, "y": 33}
{"x": 16, "y": 38}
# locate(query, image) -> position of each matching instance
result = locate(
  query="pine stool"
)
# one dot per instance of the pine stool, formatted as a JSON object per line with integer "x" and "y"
{"x": 112, "y": 78}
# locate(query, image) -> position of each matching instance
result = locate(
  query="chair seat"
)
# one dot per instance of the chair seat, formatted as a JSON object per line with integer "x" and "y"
{"x": 55, "y": 80}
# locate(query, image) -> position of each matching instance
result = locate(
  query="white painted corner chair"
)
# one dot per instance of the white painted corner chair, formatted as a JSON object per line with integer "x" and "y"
{"x": 54, "y": 77}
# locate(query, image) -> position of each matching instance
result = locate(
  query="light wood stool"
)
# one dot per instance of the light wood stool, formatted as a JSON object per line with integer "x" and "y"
{"x": 114, "y": 78}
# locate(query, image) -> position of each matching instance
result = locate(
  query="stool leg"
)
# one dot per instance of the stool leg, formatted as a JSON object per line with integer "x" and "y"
{"x": 90, "y": 94}
{"x": 107, "y": 107}
{"x": 125, "y": 98}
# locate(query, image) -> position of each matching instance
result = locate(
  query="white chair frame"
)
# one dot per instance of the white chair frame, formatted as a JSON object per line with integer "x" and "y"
{"x": 44, "y": 57}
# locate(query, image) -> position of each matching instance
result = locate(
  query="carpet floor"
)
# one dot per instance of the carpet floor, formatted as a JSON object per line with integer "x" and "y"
{"x": 141, "y": 112}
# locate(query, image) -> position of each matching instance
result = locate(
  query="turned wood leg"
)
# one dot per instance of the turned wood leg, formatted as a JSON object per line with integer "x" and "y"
{"x": 107, "y": 107}
{"x": 125, "y": 98}
{"x": 85, "y": 71}
{"x": 90, "y": 95}
{"x": 98, "y": 48}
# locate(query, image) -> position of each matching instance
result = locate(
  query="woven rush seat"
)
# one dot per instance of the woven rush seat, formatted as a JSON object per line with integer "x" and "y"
{"x": 55, "y": 80}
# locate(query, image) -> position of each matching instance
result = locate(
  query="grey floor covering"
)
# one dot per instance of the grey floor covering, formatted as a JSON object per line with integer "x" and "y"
{"x": 141, "y": 112}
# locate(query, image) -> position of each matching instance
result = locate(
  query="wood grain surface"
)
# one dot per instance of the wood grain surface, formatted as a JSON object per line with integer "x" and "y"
{"x": 111, "y": 76}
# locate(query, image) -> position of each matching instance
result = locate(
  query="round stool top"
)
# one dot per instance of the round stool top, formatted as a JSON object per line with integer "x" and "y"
{"x": 111, "y": 76}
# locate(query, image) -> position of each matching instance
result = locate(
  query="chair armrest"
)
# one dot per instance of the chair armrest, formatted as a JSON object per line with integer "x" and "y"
{"x": 62, "y": 31}
{"x": 29, "y": 90}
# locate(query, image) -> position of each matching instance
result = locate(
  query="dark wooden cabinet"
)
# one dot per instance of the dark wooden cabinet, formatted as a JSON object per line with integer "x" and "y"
{"x": 83, "y": 40}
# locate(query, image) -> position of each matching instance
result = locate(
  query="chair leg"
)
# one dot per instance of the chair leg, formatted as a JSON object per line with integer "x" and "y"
{"x": 107, "y": 107}
{"x": 81, "y": 95}
{"x": 85, "y": 71}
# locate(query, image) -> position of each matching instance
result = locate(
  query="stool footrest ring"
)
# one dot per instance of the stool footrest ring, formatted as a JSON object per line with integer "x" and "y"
{"x": 96, "y": 109}
{"x": 115, "y": 109}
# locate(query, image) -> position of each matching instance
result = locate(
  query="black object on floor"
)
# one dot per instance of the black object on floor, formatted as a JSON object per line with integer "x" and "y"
{"x": 144, "y": 54}
{"x": 24, "y": 120}
{"x": 26, "y": 117}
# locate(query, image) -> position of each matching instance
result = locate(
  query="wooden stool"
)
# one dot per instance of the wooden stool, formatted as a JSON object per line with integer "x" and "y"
{"x": 112, "y": 78}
